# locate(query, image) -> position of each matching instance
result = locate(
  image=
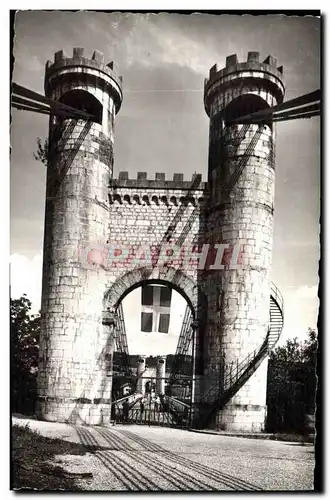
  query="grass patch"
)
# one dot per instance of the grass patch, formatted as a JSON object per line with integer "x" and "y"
{"x": 31, "y": 453}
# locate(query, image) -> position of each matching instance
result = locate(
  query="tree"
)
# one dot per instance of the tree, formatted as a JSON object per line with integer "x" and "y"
{"x": 297, "y": 352}
{"x": 42, "y": 151}
{"x": 291, "y": 385}
{"x": 24, "y": 333}
{"x": 310, "y": 348}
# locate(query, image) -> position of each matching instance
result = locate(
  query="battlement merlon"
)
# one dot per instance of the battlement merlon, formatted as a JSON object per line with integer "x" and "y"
{"x": 159, "y": 182}
{"x": 83, "y": 68}
{"x": 269, "y": 75}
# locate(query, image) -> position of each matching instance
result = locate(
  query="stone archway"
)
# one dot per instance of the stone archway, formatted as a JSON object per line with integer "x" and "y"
{"x": 169, "y": 276}
{"x": 186, "y": 285}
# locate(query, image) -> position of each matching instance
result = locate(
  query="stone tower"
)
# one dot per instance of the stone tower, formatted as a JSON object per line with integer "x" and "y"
{"x": 241, "y": 178}
{"x": 74, "y": 346}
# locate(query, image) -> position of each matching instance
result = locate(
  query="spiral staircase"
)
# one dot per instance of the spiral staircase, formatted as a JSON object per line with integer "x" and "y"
{"x": 217, "y": 397}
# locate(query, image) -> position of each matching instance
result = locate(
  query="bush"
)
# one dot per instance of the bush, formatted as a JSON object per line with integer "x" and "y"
{"x": 24, "y": 334}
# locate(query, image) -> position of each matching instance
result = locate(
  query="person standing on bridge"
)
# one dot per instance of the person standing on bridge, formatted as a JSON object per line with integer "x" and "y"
{"x": 141, "y": 408}
{"x": 161, "y": 402}
{"x": 125, "y": 410}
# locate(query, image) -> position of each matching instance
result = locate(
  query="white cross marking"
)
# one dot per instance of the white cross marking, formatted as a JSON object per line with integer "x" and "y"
{"x": 156, "y": 309}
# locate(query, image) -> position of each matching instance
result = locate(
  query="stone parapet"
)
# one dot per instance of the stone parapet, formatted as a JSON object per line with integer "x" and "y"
{"x": 264, "y": 75}
{"x": 84, "y": 69}
{"x": 159, "y": 182}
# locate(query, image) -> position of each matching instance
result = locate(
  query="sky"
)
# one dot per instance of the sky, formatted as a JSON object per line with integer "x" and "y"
{"x": 162, "y": 125}
{"x": 152, "y": 343}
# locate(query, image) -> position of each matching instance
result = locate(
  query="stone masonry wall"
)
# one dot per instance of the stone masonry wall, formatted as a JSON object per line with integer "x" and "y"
{"x": 146, "y": 215}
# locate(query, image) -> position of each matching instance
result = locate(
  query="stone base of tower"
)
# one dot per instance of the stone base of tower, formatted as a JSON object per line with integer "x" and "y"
{"x": 246, "y": 411}
{"x": 74, "y": 412}
{"x": 242, "y": 418}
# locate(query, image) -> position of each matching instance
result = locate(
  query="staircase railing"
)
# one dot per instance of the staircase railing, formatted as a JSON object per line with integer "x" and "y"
{"x": 222, "y": 391}
{"x": 276, "y": 316}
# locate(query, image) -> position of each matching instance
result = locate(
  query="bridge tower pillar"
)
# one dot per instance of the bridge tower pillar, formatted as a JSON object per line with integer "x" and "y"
{"x": 141, "y": 367}
{"x": 160, "y": 375}
{"x": 74, "y": 347}
{"x": 241, "y": 177}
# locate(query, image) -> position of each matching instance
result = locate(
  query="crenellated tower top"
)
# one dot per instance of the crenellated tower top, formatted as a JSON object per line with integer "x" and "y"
{"x": 251, "y": 76}
{"x": 80, "y": 70}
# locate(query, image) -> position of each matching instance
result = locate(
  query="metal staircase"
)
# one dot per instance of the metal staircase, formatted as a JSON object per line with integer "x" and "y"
{"x": 276, "y": 319}
{"x": 238, "y": 375}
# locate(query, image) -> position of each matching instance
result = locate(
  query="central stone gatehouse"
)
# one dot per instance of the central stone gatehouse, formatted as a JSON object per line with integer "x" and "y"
{"x": 106, "y": 236}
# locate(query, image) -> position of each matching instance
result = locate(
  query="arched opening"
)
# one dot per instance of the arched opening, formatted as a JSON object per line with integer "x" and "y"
{"x": 159, "y": 282}
{"x": 157, "y": 362}
{"x": 156, "y": 315}
{"x": 166, "y": 275}
{"x": 153, "y": 314}
{"x": 83, "y": 101}
{"x": 244, "y": 105}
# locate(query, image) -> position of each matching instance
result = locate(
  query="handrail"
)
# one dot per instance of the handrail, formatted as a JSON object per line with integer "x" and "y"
{"x": 177, "y": 401}
{"x": 136, "y": 394}
{"x": 234, "y": 374}
{"x": 277, "y": 296}
{"x": 234, "y": 378}
{"x": 177, "y": 409}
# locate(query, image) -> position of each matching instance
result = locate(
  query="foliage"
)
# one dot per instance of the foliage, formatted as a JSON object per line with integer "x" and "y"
{"x": 297, "y": 352}
{"x": 291, "y": 385}
{"x": 24, "y": 333}
{"x": 42, "y": 151}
